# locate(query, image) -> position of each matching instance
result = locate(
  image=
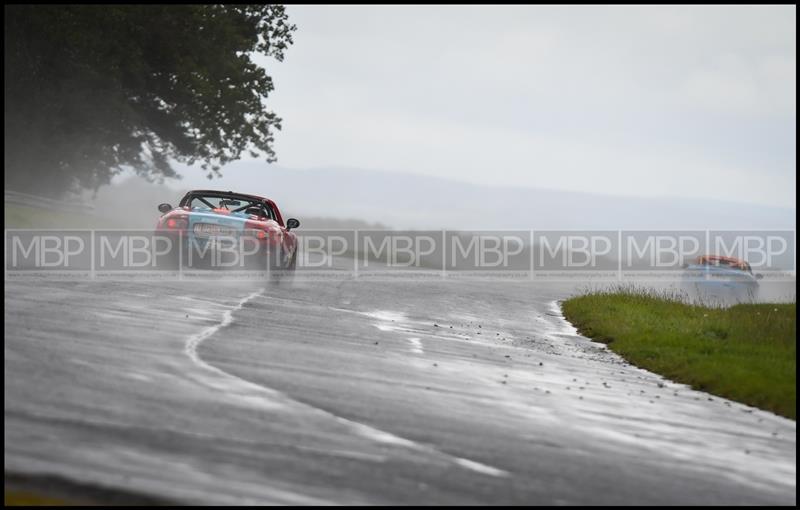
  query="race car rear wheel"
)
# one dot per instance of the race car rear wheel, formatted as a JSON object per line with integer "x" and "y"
{"x": 284, "y": 273}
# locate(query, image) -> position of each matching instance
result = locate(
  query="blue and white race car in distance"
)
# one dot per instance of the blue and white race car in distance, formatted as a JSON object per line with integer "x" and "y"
{"x": 717, "y": 276}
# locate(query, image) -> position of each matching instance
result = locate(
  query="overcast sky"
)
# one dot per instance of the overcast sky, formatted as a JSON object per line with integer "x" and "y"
{"x": 686, "y": 101}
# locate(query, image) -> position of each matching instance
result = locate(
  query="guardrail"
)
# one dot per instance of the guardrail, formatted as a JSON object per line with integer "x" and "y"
{"x": 19, "y": 198}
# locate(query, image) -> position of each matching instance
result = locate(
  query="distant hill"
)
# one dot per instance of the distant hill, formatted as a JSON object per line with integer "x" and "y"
{"x": 406, "y": 200}
{"x": 132, "y": 203}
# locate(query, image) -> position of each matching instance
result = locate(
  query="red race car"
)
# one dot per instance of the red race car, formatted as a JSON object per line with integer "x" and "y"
{"x": 227, "y": 229}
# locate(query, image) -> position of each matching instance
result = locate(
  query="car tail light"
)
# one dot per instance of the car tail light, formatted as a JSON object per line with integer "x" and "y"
{"x": 176, "y": 223}
{"x": 255, "y": 229}
{"x": 258, "y": 230}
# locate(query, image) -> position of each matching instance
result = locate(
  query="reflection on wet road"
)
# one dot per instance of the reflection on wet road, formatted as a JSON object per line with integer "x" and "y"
{"x": 362, "y": 392}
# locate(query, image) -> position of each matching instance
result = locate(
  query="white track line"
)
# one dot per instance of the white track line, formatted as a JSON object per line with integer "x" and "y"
{"x": 416, "y": 345}
{"x": 193, "y": 342}
{"x": 255, "y": 393}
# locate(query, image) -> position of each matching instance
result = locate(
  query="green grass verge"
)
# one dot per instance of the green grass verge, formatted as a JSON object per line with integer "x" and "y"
{"x": 22, "y": 216}
{"x": 24, "y": 498}
{"x": 745, "y": 353}
{"x": 49, "y": 490}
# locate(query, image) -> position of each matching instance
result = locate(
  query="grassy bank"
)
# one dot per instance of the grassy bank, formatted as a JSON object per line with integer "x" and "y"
{"x": 21, "y": 216}
{"x": 22, "y": 498}
{"x": 745, "y": 353}
{"x": 48, "y": 490}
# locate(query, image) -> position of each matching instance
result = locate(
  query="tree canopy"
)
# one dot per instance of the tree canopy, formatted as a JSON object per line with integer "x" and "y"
{"x": 90, "y": 90}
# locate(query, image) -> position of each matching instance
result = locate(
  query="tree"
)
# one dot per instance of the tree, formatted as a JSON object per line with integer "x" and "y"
{"x": 90, "y": 90}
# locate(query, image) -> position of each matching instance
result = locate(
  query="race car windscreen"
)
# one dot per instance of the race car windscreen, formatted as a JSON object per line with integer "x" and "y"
{"x": 232, "y": 204}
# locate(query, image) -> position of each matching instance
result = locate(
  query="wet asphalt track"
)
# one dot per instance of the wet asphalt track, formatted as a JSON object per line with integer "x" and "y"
{"x": 361, "y": 392}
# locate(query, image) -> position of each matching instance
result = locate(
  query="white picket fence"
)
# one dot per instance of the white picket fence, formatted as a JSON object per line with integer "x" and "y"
{"x": 19, "y": 198}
